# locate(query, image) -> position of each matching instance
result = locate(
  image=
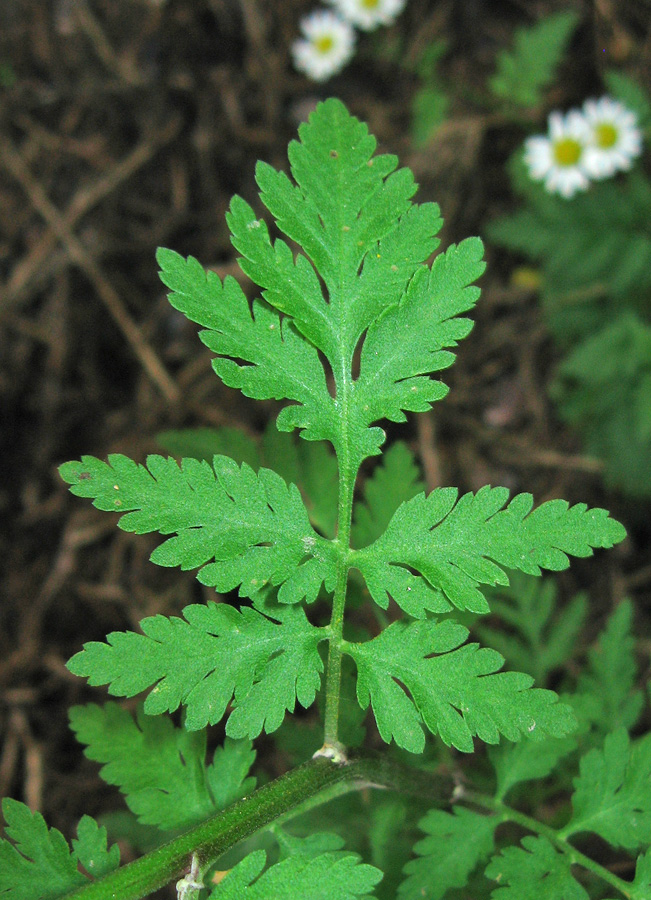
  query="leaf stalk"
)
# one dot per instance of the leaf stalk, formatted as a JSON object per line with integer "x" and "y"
{"x": 211, "y": 839}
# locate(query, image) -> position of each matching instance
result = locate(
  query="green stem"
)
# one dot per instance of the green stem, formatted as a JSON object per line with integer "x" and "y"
{"x": 294, "y": 791}
{"x": 333, "y": 674}
{"x": 577, "y": 858}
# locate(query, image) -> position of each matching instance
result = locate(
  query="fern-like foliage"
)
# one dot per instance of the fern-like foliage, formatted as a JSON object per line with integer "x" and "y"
{"x": 603, "y": 388}
{"x": 36, "y": 863}
{"x": 162, "y": 770}
{"x": 523, "y": 73}
{"x": 351, "y": 328}
{"x": 532, "y": 632}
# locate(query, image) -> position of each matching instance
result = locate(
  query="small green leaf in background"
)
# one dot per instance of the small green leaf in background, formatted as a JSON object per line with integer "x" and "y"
{"x": 543, "y": 637}
{"x": 613, "y": 792}
{"x": 205, "y": 443}
{"x": 262, "y": 663}
{"x": 455, "y": 845}
{"x": 91, "y": 849}
{"x": 607, "y": 683}
{"x": 36, "y": 863}
{"x": 329, "y": 876}
{"x": 523, "y": 73}
{"x": 161, "y": 769}
{"x": 394, "y": 480}
{"x": 603, "y": 388}
{"x": 527, "y": 761}
{"x": 430, "y": 103}
{"x": 534, "y": 871}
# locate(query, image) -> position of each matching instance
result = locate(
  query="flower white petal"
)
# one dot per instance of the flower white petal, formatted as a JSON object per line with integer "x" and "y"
{"x": 328, "y": 43}
{"x": 368, "y": 14}
{"x": 557, "y": 159}
{"x": 615, "y": 139}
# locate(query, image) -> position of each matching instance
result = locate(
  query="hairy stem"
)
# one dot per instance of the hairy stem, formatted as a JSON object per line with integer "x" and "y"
{"x": 347, "y": 476}
{"x": 580, "y": 859}
{"x": 291, "y": 793}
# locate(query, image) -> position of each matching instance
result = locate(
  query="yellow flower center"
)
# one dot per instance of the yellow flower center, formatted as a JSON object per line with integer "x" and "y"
{"x": 370, "y": 4}
{"x": 567, "y": 152}
{"x": 324, "y": 44}
{"x": 605, "y": 135}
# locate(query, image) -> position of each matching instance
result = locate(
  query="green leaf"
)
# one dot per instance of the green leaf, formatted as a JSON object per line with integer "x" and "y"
{"x": 39, "y": 865}
{"x": 360, "y": 275}
{"x": 527, "y": 761}
{"x": 261, "y": 663}
{"x": 406, "y": 343}
{"x": 312, "y": 466}
{"x": 642, "y": 882}
{"x": 309, "y": 846}
{"x": 91, "y": 849}
{"x": 330, "y": 876}
{"x": 613, "y": 792}
{"x": 542, "y": 636}
{"x": 254, "y": 527}
{"x": 390, "y": 836}
{"x": 457, "y": 693}
{"x": 457, "y": 545}
{"x": 393, "y": 481}
{"x": 162, "y": 769}
{"x": 608, "y": 680}
{"x": 523, "y": 74}
{"x": 278, "y": 362}
{"x": 455, "y": 844}
{"x": 206, "y": 443}
{"x": 603, "y": 388}
{"x": 535, "y": 871}
{"x": 429, "y": 109}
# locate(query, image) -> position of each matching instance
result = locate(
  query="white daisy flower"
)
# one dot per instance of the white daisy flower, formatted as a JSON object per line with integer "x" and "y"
{"x": 368, "y": 14}
{"x": 615, "y": 139}
{"x": 559, "y": 158}
{"x": 328, "y": 44}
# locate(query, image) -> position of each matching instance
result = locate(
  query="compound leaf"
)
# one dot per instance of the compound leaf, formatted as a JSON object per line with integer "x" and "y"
{"x": 261, "y": 663}
{"x": 336, "y": 875}
{"x": 534, "y": 871}
{"x": 39, "y": 864}
{"x": 359, "y": 277}
{"x": 254, "y": 526}
{"x": 161, "y": 769}
{"x": 455, "y": 844}
{"x": 523, "y": 73}
{"x": 613, "y": 792}
{"x": 608, "y": 680}
{"x": 455, "y": 545}
{"x": 456, "y": 693}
